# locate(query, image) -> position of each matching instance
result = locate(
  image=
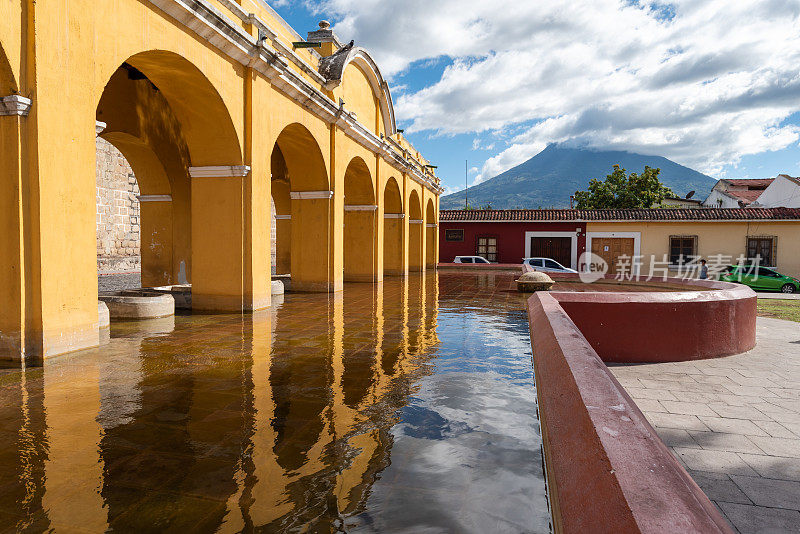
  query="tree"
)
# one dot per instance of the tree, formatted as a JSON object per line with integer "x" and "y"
{"x": 624, "y": 191}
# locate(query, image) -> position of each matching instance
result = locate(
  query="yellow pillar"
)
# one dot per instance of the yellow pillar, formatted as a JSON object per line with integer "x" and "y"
{"x": 220, "y": 253}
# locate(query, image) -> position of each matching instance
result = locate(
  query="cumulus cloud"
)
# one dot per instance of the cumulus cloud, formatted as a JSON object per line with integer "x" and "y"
{"x": 703, "y": 83}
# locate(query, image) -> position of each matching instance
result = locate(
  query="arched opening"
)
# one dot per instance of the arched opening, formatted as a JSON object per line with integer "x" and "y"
{"x": 174, "y": 130}
{"x": 281, "y": 215}
{"x": 430, "y": 236}
{"x": 141, "y": 159}
{"x": 11, "y": 264}
{"x": 359, "y": 223}
{"x": 393, "y": 230}
{"x": 311, "y": 205}
{"x": 415, "y": 228}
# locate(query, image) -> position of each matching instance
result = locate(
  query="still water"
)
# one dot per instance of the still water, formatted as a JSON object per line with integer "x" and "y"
{"x": 405, "y": 407}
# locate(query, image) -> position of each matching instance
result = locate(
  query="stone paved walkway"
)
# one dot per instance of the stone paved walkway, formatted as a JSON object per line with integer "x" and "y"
{"x": 734, "y": 423}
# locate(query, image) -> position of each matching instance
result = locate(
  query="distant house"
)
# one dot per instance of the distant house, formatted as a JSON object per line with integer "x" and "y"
{"x": 783, "y": 192}
{"x": 678, "y": 202}
{"x": 736, "y": 193}
{"x": 656, "y": 236}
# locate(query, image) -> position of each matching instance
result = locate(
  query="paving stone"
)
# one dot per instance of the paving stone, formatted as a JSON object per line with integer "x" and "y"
{"x": 724, "y": 442}
{"x": 775, "y": 429}
{"x": 738, "y": 412}
{"x": 733, "y": 426}
{"x": 778, "y": 446}
{"x": 769, "y": 492}
{"x": 649, "y": 405}
{"x": 759, "y": 520}
{"x": 645, "y": 393}
{"x": 719, "y": 487}
{"x": 774, "y": 467}
{"x": 714, "y": 461}
{"x": 671, "y": 420}
{"x": 675, "y": 437}
{"x": 688, "y": 408}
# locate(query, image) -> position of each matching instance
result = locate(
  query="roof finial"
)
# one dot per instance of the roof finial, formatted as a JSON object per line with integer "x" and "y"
{"x": 324, "y": 25}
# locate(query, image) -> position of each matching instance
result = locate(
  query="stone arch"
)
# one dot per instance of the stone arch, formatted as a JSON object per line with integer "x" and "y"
{"x": 166, "y": 102}
{"x": 393, "y": 229}
{"x": 359, "y": 223}
{"x": 415, "y": 228}
{"x": 430, "y": 235}
{"x": 205, "y": 120}
{"x": 311, "y": 209}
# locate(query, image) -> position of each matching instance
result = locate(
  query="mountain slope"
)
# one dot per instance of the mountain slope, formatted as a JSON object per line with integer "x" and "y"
{"x": 549, "y": 178}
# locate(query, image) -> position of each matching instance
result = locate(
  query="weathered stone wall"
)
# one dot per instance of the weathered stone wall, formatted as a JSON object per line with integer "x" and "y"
{"x": 118, "y": 233}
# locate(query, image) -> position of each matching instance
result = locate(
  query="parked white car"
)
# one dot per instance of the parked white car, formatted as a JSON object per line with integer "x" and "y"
{"x": 548, "y": 265}
{"x": 470, "y": 259}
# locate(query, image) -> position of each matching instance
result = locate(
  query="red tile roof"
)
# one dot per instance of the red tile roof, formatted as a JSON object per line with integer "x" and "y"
{"x": 754, "y": 183}
{"x": 746, "y": 196}
{"x": 688, "y": 214}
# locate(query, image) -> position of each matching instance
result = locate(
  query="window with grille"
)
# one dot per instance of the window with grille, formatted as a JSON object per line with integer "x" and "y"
{"x": 487, "y": 248}
{"x": 762, "y": 249}
{"x": 682, "y": 249}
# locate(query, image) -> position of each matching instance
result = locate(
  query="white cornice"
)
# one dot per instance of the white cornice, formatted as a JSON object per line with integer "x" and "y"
{"x": 155, "y": 198}
{"x": 311, "y": 195}
{"x": 15, "y": 105}
{"x": 283, "y": 217}
{"x": 99, "y": 127}
{"x": 219, "y": 171}
{"x": 432, "y": 225}
{"x": 394, "y": 215}
{"x": 364, "y": 207}
{"x": 415, "y": 221}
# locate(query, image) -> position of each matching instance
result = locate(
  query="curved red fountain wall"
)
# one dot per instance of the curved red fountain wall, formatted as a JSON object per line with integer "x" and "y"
{"x": 665, "y": 326}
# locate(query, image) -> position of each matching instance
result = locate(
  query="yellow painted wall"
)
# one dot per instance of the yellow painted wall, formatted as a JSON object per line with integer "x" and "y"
{"x": 360, "y": 98}
{"x": 724, "y": 237}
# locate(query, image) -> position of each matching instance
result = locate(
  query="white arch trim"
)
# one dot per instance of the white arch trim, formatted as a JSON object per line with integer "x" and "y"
{"x": 333, "y": 67}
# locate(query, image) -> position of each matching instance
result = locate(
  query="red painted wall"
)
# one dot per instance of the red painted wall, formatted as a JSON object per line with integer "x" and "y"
{"x": 510, "y": 238}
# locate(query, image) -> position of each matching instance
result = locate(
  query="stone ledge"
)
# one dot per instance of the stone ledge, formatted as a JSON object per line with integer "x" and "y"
{"x": 606, "y": 468}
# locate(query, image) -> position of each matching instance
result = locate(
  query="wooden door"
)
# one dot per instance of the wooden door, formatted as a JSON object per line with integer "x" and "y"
{"x": 555, "y": 248}
{"x": 611, "y": 248}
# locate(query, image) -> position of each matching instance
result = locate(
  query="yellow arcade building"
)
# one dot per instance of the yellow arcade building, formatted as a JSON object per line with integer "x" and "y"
{"x": 225, "y": 114}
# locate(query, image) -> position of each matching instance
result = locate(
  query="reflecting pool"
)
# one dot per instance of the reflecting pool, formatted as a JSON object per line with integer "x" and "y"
{"x": 404, "y": 407}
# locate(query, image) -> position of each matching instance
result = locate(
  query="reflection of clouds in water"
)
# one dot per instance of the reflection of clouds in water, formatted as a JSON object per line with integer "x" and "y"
{"x": 466, "y": 455}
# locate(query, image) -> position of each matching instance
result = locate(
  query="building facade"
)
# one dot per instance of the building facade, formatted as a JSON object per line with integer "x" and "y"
{"x": 660, "y": 240}
{"x": 219, "y": 114}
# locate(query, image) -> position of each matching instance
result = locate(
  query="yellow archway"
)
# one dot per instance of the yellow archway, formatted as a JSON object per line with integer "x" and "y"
{"x": 359, "y": 223}
{"x": 430, "y": 235}
{"x": 393, "y": 229}
{"x": 415, "y": 229}
{"x": 12, "y": 321}
{"x": 311, "y": 211}
{"x": 179, "y": 121}
{"x": 282, "y": 205}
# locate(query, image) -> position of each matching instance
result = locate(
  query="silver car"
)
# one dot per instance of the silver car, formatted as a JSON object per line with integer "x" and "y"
{"x": 548, "y": 265}
{"x": 470, "y": 259}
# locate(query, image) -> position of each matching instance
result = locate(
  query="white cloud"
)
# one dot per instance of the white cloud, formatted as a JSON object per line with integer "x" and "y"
{"x": 705, "y": 84}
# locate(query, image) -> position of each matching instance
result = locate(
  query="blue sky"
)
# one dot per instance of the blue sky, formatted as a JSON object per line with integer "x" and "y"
{"x": 711, "y": 85}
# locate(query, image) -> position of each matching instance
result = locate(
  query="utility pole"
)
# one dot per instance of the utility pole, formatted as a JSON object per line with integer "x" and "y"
{"x": 466, "y": 177}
